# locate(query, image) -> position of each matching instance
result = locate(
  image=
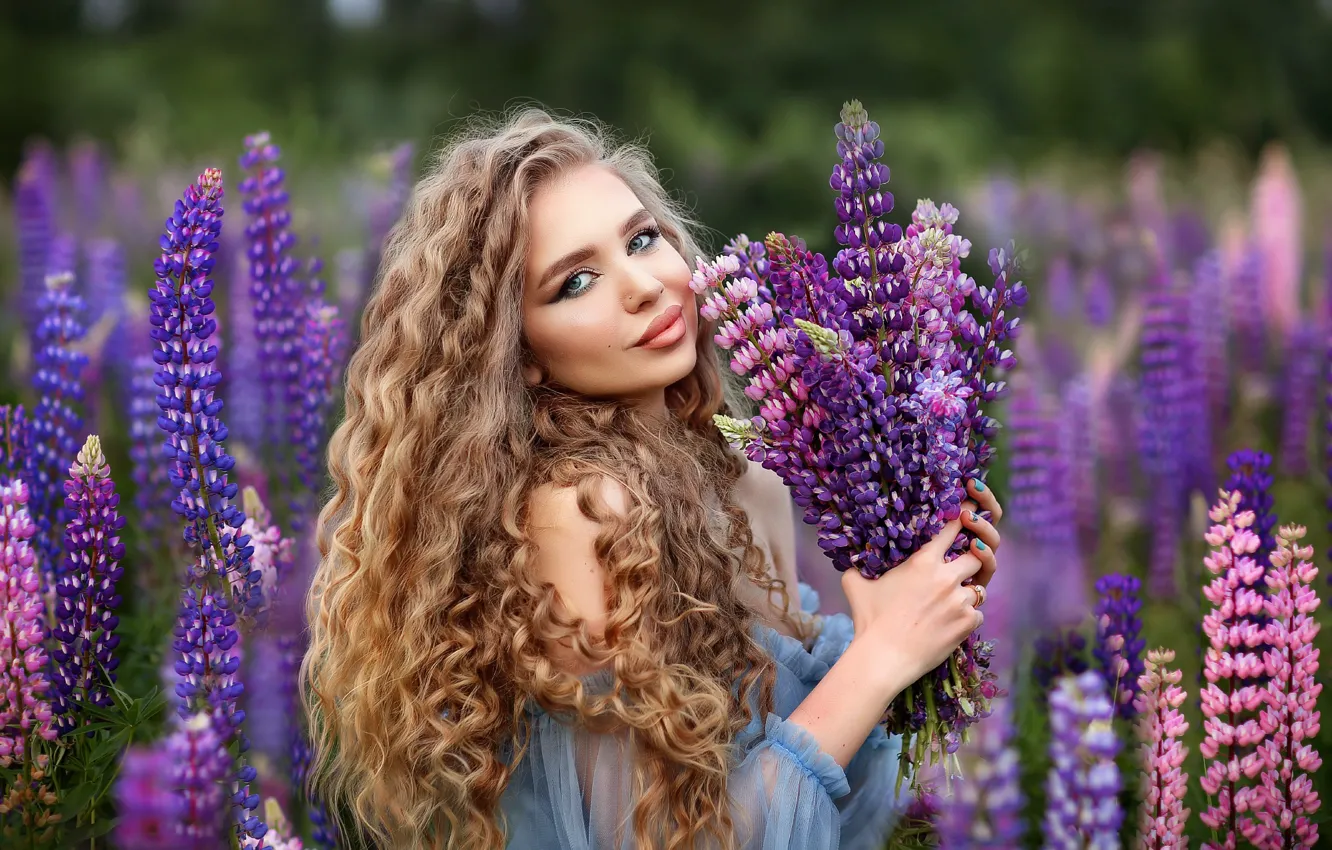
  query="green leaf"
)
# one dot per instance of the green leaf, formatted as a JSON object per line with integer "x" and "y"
{"x": 74, "y": 799}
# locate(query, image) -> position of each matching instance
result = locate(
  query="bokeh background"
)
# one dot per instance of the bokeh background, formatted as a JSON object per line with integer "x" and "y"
{"x": 1119, "y": 143}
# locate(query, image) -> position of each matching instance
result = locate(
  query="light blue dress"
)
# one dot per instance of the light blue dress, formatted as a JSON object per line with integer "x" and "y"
{"x": 573, "y": 787}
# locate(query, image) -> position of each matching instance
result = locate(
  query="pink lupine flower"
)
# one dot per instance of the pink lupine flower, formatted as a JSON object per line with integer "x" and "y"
{"x": 24, "y": 707}
{"x": 272, "y": 554}
{"x": 1160, "y": 726}
{"x": 1285, "y": 801}
{"x": 1231, "y": 700}
{"x": 1276, "y": 221}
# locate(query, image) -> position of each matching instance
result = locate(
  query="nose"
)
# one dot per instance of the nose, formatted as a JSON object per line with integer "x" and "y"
{"x": 640, "y": 289}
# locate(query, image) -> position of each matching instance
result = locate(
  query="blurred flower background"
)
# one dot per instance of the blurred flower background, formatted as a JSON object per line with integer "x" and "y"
{"x": 1164, "y": 168}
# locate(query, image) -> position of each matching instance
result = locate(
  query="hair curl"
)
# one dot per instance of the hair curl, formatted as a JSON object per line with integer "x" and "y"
{"x": 427, "y": 623}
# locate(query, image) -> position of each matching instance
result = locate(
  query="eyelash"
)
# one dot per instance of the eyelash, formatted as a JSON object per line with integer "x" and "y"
{"x": 654, "y": 232}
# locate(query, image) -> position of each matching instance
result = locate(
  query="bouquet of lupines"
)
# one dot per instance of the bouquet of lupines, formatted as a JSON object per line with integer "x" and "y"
{"x": 870, "y": 373}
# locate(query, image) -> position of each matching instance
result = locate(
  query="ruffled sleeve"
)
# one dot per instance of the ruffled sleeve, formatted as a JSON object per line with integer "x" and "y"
{"x": 573, "y": 788}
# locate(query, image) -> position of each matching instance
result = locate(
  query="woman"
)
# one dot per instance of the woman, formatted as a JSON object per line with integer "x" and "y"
{"x": 554, "y": 606}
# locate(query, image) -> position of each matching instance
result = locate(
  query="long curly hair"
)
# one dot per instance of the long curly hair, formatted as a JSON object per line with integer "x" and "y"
{"x": 427, "y": 623}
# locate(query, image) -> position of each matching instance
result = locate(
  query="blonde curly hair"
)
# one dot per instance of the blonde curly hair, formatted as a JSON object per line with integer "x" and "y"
{"x": 427, "y": 625}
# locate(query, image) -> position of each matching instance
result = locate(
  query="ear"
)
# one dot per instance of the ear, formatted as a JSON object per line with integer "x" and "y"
{"x": 532, "y": 374}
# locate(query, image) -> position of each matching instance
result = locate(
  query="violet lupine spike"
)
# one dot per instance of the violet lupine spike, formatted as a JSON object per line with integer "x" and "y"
{"x": 85, "y": 628}
{"x": 1118, "y": 642}
{"x": 985, "y": 808}
{"x": 148, "y": 808}
{"x": 34, "y": 219}
{"x": 182, "y": 325}
{"x": 1248, "y": 314}
{"x": 273, "y": 274}
{"x": 1231, "y": 698}
{"x": 23, "y": 659}
{"x": 1098, "y": 301}
{"x": 153, "y": 491}
{"x": 87, "y": 173}
{"x": 1282, "y": 815}
{"x": 1210, "y": 333}
{"x": 243, "y": 358}
{"x": 1077, "y": 450}
{"x": 15, "y": 444}
{"x": 1160, "y": 727}
{"x": 56, "y": 421}
{"x": 1082, "y": 788}
{"x": 1163, "y": 432}
{"x": 1301, "y": 378}
{"x": 200, "y": 764}
{"x": 1062, "y": 287}
{"x": 106, "y": 279}
{"x": 323, "y": 343}
{"x": 1059, "y": 651}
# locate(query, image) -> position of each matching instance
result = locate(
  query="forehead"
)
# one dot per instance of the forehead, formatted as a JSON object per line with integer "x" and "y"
{"x": 582, "y": 206}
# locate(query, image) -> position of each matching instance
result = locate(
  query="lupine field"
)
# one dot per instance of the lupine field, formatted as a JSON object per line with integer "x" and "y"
{"x": 175, "y": 349}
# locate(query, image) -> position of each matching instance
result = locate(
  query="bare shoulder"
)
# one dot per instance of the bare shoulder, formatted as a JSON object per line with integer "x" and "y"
{"x": 565, "y": 541}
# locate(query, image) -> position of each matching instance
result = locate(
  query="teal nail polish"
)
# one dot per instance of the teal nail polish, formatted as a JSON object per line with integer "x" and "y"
{"x": 980, "y": 544}
{"x": 980, "y": 486}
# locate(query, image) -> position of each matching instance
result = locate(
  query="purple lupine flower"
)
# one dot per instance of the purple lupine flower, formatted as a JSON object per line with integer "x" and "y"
{"x": 87, "y": 172}
{"x": 1118, "y": 642}
{"x": 85, "y": 629}
{"x": 1163, "y": 431}
{"x": 1209, "y": 344}
{"x": 1231, "y": 700}
{"x": 23, "y": 659}
{"x": 56, "y": 422}
{"x": 1160, "y": 727}
{"x": 153, "y": 491}
{"x": 272, "y": 555}
{"x": 199, "y": 766}
{"x": 1301, "y": 377}
{"x": 1098, "y": 299}
{"x": 1251, "y": 478}
{"x": 858, "y": 366}
{"x": 1286, "y": 801}
{"x": 273, "y": 275}
{"x": 323, "y": 342}
{"x": 106, "y": 279}
{"x": 985, "y": 808}
{"x": 182, "y": 325}
{"x": 349, "y": 280}
{"x": 385, "y": 208}
{"x": 1077, "y": 455}
{"x": 1059, "y": 651}
{"x": 1248, "y": 314}
{"x": 149, "y": 809}
{"x": 243, "y": 361}
{"x": 1082, "y": 789}
{"x": 15, "y": 444}
{"x": 1062, "y": 288}
{"x": 34, "y": 219}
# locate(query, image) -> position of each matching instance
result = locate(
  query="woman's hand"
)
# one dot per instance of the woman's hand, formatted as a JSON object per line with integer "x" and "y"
{"x": 917, "y": 613}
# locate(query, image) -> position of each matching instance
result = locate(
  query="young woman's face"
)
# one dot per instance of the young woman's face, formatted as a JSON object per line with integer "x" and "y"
{"x": 598, "y": 274}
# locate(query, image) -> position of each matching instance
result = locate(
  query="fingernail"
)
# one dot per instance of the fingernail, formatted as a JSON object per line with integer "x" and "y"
{"x": 980, "y": 485}
{"x": 975, "y": 517}
{"x": 980, "y": 544}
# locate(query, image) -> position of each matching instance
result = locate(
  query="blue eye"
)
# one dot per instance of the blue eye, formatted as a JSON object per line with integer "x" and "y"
{"x": 651, "y": 234}
{"x": 571, "y": 290}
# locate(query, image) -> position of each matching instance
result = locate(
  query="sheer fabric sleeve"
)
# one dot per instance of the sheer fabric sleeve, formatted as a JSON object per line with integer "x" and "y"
{"x": 573, "y": 790}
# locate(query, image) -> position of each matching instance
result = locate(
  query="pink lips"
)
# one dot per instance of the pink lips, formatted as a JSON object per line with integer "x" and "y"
{"x": 661, "y": 323}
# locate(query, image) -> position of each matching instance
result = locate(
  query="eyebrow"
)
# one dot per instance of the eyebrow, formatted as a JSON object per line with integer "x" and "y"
{"x": 587, "y": 251}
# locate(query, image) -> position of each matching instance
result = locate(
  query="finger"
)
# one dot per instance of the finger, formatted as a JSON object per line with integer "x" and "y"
{"x": 964, "y": 567}
{"x": 939, "y": 543}
{"x": 989, "y": 563}
{"x": 984, "y": 497}
{"x": 982, "y": 529}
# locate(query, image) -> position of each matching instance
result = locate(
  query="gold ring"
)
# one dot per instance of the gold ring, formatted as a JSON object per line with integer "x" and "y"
{"x": 980, "y": 594}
